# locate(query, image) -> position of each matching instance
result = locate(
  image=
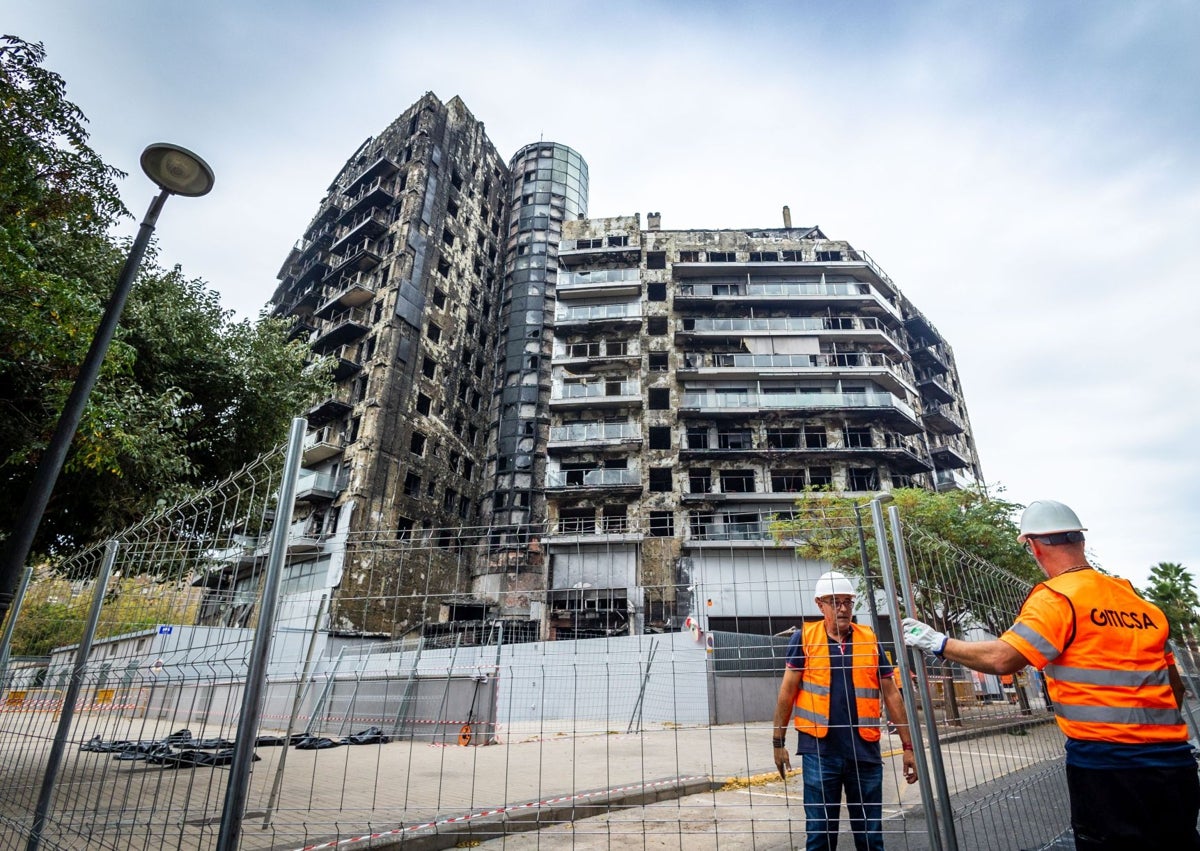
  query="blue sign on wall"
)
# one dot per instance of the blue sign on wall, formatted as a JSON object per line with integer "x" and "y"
{"x": 165, "y": 630}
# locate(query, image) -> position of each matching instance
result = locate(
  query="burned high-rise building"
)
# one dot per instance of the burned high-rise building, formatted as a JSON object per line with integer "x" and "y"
{"x": 611, "y": 412}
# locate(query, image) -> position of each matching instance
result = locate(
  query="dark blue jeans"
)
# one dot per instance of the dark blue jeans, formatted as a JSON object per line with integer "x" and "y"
{"x": 824, "y": 779}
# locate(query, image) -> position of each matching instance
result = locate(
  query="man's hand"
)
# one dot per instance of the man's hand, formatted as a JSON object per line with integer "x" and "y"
{"x": 923, "y": 636}
{"x": 910, "y": 767}
{"x": 783, "y": 762}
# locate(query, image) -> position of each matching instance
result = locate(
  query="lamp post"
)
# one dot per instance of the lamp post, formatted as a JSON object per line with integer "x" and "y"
{"x": 176, "y": 171}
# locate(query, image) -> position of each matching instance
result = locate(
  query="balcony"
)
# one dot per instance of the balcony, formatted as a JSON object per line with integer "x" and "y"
{"x": 717, "y": 402}
{"x": 866, "y": 329}
{"x": 949, "y": 456}
{"x": 302, "y": 328}
{"x": 359, "y": 257}
{"x": 942, "y": 419}
{"x": 878, "y": 366}
{"x": 583, "y": 395}
{"x": 313, "y": 270}
{"x": 795, "y": 446}
{"x": 342, "y": 328}
{"x": 312, "y": 486}
{"x": 602, "y": 282}
{"x": 381, "y": 168}
{"x": 377, "y": 193}
{"x": 321, "y": 237}
{"x": 605, "y": 248}
{"x": 346, "y": 362}
{"x": 584, "y": 435}
{"x": 921, "y": 328}
{"x": 847, "y": 263}
{"x": 782, "y": 289}
{"x": 596, "y": 314}
{"x": 348, "y": 291}
{"x": 934, "y": 390}
{"x": 366, "y": 226}
{"x": 333, "y": 407}
{"x": 931, "y": 359}
{"x": 946, "y": 480}
{"x": 608, "y": 479}
{"x": 595, "y": 351}
{"x": 322, "y": 444}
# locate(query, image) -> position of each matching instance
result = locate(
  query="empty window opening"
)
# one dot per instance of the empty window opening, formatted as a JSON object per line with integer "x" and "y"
{"x": 439, "y": 297}
{"x": 577, "y": 520}
{"x": 820, "y": 477}
{"x": 787, "y": 481}
{"x": 662, "y": 524}
{"x": 447, "y": 236}
{"x": 815, "y": 437}
{"x": 699, "y": 480}
{"x": 737, "y": 481}
{"x": 660, "y": 479}
{"x": 721, "y": 257}
{"x": 417, "y": 444}
{"x": 764, "y": 256}
{"x": 433, "y": 332}
{"x": 689, "y": 256}
{"x": 657, "y": 361}
{"x": 697, "y": 437}
{"x": 857, "y": 437}
{"x": 660, "y": 437}
{"x": 828, "y": 256}
{"x": 656, "y": 259}
{"x": 617, "y": 241}
{"x": 739, "y": 439}
{"x": 862, "y": 479}
{"x": 656, "y": 292}
{"x": 656, "y": 325}
{"x": 428, "y": 367}
{"x": 614, "y": 519}
{"x": 660, "y": 398}
{"x": 412, "y": 484}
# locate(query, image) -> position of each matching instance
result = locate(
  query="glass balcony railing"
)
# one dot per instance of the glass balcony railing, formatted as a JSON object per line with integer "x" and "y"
{"x": 594, "y": 432}
{"x": 597, "y": 277}
{"x": 592, "y": 312}
{"x": 592, "y": 478}
{"x": 846, "y": 360}
{"x": 781, "y": 287}
{"x": 723, "y": 399}
{"x": 597, "y": 390}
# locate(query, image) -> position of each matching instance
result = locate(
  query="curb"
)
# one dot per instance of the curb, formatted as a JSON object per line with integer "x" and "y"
{"x": 451, "y": 831}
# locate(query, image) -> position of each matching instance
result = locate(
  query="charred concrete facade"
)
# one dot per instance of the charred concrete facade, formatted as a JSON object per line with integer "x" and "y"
{"x": 610, "y": 413}
{"x": 700, "y": 381}
{"x": 396, "y": 278}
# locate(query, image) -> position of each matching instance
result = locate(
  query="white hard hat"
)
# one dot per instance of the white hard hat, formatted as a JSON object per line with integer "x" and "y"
{"x": 1047, "y": 517}
{"x": 832, "y": 583}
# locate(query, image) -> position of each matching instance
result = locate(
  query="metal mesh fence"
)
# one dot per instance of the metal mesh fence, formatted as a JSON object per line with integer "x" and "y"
{"x": 397, "y": 708}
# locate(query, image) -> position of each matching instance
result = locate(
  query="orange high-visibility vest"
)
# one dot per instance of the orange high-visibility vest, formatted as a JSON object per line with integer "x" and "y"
{"x": 1110, "y": 683}
{"x": 811, "y": 711}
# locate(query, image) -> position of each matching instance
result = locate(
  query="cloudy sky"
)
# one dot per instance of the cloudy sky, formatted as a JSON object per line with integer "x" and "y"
{"x": 1025, "y": 171}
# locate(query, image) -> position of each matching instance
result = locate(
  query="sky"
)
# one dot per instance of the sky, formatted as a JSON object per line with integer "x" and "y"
{"x": 1026, "y": 172}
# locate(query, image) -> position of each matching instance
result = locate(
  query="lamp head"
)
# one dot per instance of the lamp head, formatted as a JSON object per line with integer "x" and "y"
{"x": 177, "y": 170}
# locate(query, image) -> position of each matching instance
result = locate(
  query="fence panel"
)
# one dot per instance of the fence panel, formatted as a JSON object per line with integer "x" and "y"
{"x": 628, "y": 702}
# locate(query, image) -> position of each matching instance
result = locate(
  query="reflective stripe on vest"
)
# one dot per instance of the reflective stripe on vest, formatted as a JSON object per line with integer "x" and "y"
{"x": 811, "y": 711}
{"x": 1040, "y": 644}
{"x": 1119, "y": 714}
{"x": 1111, "y": 683}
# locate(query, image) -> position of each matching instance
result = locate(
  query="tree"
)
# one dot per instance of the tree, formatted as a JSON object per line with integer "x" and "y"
{"x": 1172, "y": 588}
{"x": 951, "y": 590}
{"x": 185, "y": 396}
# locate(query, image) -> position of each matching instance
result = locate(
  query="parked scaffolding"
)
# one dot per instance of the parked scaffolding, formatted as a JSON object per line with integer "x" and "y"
{"x": 124, "y": 700}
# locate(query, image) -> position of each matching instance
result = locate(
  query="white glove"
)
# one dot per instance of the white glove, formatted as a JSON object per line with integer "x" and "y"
{"x": 923, "y": 636}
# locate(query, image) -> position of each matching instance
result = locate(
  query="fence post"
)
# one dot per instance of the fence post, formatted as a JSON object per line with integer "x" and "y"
{"x": 301, "y": 686}
{"x": 935, "y": 747}
{"x": 10, "y": 626}
{"x": 50, "y": 778}
{"x": 906, "y": 693}
{"x": 260, "y": 650}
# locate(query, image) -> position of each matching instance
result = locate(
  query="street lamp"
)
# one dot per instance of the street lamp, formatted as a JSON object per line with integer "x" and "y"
{"x": 176, "y": 171}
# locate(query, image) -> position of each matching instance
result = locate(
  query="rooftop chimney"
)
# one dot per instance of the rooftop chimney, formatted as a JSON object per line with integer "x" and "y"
{"x": 653, "y": 221}
{"x": 787, "y": 217}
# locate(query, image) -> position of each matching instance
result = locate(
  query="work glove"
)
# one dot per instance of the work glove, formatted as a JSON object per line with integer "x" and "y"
{"x": 923, "y": 636}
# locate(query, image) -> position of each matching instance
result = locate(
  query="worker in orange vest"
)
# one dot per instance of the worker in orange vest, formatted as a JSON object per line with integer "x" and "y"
{"x": 835, "y": 678}
{"x": 1117, "y": 695}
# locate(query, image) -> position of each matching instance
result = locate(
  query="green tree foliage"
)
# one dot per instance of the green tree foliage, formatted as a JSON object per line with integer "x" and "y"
{"x": 950, "y": 590}
{"x": 1173, "y": 589}
{"x": 186, "y": 395}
